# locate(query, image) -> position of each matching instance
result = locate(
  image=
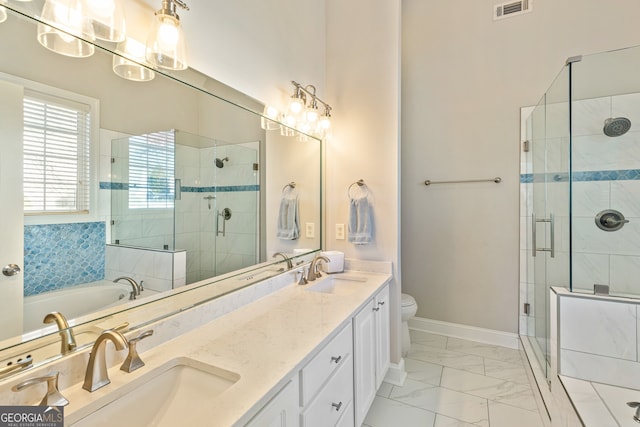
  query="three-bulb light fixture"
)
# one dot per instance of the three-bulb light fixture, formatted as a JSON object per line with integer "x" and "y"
{"x": 70, "y": 27}
{"x": 301, "y": 114}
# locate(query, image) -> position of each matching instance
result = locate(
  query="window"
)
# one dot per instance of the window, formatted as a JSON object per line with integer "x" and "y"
{"x": 57, "y": 138}
{"x": 151, "y": 165}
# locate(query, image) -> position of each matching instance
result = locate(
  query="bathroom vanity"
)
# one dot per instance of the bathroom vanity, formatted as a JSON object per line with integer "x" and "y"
{"x": 310, "y": 355}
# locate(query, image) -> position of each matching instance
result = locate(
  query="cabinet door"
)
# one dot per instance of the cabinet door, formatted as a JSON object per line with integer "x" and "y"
{"x": 364, "y": 350}
{"x": 282, "y": 410}
{"x": 383, "y": 353}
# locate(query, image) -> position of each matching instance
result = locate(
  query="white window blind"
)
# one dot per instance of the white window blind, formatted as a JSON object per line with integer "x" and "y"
{"x": 57, "y": 134}
{"x": 151, "y": 170}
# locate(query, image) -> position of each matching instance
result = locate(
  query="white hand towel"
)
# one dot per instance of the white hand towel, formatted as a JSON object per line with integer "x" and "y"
{"x": 288, "y": 220}
{"x": 360, "y": 221}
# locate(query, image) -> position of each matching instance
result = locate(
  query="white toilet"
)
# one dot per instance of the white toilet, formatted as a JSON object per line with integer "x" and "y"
{"x": 408, "y": 309}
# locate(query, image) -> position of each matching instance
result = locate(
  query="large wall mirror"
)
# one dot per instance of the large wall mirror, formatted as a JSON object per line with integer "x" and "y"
{"x": 173, "y": 183}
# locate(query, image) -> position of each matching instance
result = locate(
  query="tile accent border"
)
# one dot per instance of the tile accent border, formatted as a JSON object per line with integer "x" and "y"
{"x": 471, "y": 333}
{"x": 604, "y": 175}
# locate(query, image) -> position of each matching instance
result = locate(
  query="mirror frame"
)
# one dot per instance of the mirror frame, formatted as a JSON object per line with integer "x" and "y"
{"x": 190, "y": 295}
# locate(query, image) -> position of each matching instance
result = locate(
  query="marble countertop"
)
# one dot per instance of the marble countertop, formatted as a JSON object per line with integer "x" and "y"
{"x": 264, "y": 343}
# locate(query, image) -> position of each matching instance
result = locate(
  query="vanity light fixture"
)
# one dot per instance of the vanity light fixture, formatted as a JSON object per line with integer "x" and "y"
{"x": 269, "y": 116}
{"x": 3, "y": 13}
{"x": 65, "y": 29}
{"x": 166, "y": 45}
{"x": 107, "y": 18}
{"x": 128, "y": 60}
{"x": 307, "y": 118}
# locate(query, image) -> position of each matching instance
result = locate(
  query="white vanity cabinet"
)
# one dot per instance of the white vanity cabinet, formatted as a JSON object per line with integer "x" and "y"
{"x": 281, "y": 411}
{"x": 327, "y": 384}
{"x": 371, "y": 351}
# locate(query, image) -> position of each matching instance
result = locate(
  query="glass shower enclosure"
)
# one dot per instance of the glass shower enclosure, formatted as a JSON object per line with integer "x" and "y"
{"x": 580, "y": 188}
{"x": 176, "y": 191}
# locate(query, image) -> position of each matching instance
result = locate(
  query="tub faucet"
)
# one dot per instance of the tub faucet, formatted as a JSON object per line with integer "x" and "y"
{"x": 286, "y": 258}
{"x": 97, "y": 375}
{"x": 68, "y": 341}
{"x": 313, "y": 273}
{"x": 137, "y": 288}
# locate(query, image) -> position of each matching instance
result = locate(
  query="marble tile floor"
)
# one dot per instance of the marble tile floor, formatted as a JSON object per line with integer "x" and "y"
{"x": 457, "y": 383}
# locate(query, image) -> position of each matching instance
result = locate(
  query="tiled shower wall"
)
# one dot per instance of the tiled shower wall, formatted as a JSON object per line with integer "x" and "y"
{"x": 233, "y": 186}
{"x": 606, "y": 175}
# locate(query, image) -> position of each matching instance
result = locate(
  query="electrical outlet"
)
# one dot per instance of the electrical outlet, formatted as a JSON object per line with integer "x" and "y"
{"x": 339, "y": 231}
{"x": 310, "y": 228}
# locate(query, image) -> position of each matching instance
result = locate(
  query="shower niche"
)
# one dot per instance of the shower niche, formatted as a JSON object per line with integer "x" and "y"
{"x": 174, "y": 191}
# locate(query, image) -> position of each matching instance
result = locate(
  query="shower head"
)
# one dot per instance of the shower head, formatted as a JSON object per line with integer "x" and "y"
{"x": 616, "y": 126}
{"x": 220, "y": 162}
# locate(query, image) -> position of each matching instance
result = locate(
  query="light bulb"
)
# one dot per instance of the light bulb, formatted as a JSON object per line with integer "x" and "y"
{"x": 295, "y": 105}
{"x": 101, "y": 8}
{"x": 271, "y": 112}
{"x": 168, "y": 34}
{"x": 269, "y": 117}
{"x": 325, "y": 122}
{"x": 311, "y": 114}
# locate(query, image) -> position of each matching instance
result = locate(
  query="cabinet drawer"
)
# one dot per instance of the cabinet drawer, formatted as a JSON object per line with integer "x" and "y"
{"x": 333, "y": 401}
{"x": 330, "y": 358}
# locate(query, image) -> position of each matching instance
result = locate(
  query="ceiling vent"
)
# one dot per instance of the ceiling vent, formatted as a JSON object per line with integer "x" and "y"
{"x": 512, "y": 8}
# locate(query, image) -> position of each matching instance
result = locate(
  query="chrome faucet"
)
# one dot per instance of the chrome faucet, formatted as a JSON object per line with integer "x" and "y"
{"x": 68, "y": 341}
{"x": 313, "y": 273}
{"x": 137, "y": 288}
{"x": 97, "y": 375}
{"x": 53, "y": 397}
{"x": 286, "y": 258}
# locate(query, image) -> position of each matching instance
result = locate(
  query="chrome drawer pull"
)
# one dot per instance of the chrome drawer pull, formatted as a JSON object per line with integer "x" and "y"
{"x": 336, "y": 359}
{"x": 381, "y": 303}
{"x": 376, "y": 309}
{"x": 337, "y": 406}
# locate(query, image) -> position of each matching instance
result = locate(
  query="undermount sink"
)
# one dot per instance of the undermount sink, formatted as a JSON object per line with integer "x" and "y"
{"x": 341, "y": 284}
{"x": 178, "y": 393}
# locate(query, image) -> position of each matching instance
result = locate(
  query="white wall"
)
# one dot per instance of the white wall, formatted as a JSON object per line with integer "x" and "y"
{"x": 464, "y": 80}
{"x": 363, "y": 75}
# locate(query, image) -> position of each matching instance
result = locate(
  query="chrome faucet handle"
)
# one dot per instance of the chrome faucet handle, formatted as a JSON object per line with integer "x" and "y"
{"x": 133, "y": 361}
{"x": 303, "y": 280}
{"x": 53, "y": 397}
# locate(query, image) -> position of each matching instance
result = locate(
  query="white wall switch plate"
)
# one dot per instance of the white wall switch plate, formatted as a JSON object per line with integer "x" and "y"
{"x": 310, "y": 228}
{"x": 339, "y": 231}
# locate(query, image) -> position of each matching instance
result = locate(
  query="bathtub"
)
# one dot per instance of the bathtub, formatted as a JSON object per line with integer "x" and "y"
{"x": 73, "y": 301}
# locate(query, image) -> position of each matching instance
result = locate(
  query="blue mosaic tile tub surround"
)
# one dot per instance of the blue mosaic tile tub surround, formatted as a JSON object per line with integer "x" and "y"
{"x": 61, "y": 255}
{"x": 605, "y": 175}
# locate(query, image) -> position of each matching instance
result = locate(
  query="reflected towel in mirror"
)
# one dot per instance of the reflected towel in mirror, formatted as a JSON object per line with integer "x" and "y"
{"x": 359, "y": 221}
{"x": 288, "y": 217}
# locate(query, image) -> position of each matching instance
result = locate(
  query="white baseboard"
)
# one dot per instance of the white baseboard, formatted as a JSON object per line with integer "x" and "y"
{"x": 396, "y": 374}
{"x": 471, "y": 333}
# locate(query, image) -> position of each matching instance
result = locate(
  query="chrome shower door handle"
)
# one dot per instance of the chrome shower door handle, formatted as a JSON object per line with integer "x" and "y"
{"x": 552, "y": 234}
{"x": 534, "y": 246}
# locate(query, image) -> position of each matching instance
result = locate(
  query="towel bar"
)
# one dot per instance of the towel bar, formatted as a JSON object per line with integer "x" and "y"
{"x": 291, "y": 185}
{"x": 497, "y": 180}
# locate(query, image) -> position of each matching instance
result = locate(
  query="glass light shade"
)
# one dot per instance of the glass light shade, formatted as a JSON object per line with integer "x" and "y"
{"x": 3, "y": 14}
{"x": 325, "y": 123}
{"x": 127, "y": 63}
{"x": 311, "y": 114}
{"x": 166, "y": 45}
{"x": 269, "y": 117}
{"x": 107, "y": 17}
{"x": 296, "y": 104}
{"x": 66, "y": 30}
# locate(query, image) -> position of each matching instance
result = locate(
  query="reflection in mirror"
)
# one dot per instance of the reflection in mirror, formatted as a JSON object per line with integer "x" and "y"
{"x": 165, "y": 183}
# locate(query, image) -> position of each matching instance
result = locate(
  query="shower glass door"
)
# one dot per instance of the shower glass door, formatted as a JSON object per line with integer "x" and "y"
{"x": 548, "y": 210}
